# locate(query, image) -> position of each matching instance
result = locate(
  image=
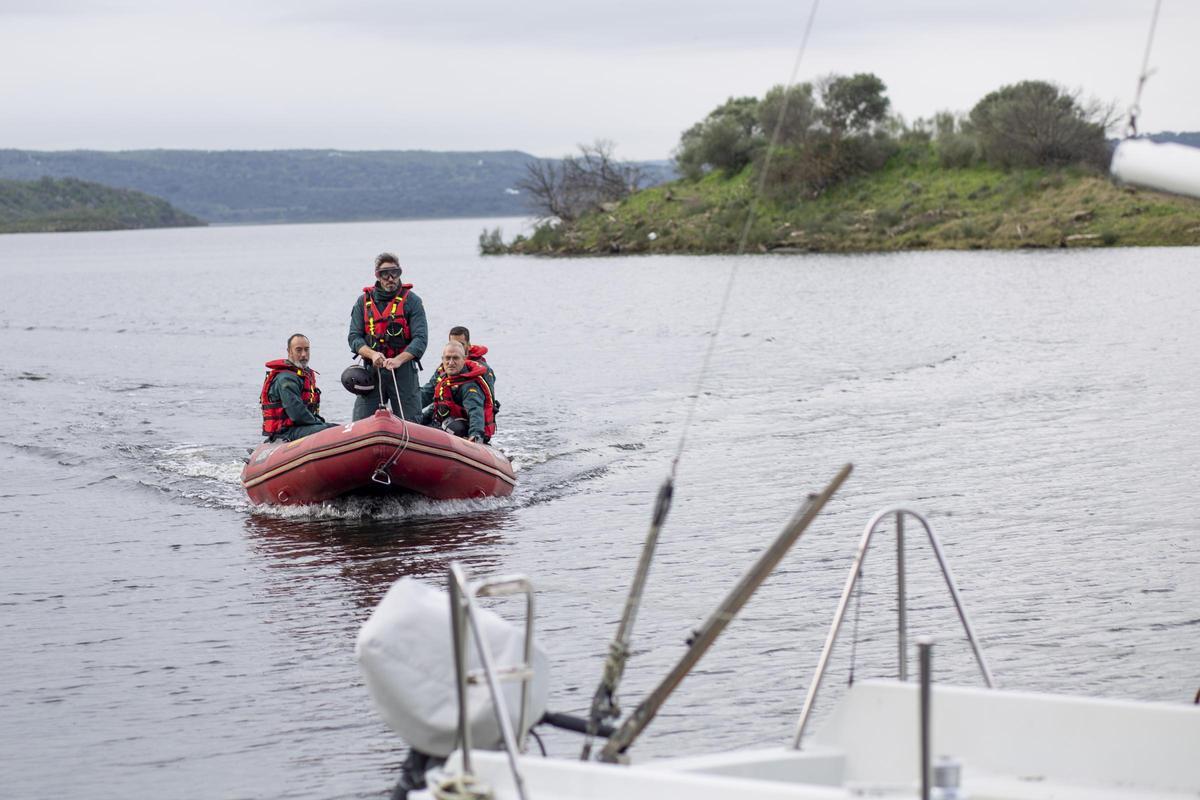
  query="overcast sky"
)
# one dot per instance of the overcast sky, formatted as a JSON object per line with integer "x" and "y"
{"x": 538, "y": 75}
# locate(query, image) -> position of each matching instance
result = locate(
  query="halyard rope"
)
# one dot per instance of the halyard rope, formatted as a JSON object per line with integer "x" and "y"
{"x": 1143, "y": 76}
{"x": 750, "y": 215}
{"x": 604, "y": 701}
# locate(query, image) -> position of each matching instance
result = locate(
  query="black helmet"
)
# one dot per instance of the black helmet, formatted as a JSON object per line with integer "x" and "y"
{"x": 358, "y": 380}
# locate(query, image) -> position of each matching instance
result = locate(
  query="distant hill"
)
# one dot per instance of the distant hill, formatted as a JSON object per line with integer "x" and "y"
{"x": 303, "y": 185}
{"x": 74, "y": 205}
{"x": 1191, "y": 138}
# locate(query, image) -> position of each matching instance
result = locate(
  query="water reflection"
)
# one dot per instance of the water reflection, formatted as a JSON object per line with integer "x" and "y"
{"x": 367, "y": 555}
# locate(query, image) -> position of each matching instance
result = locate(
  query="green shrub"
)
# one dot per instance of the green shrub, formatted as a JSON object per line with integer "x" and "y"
{"x": 491, "y": 242}
{"x": 1037, "y": 124}
{"x": 724, "y": 140}
{"x": 824, "y": 161}
{"x": 957, "y": 150}
{"x": 546, "y": 237}
{"x": 888, "y": 218}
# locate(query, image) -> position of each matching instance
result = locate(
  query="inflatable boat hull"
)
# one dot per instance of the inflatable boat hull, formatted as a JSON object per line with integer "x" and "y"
{"x": 348, "y": 460}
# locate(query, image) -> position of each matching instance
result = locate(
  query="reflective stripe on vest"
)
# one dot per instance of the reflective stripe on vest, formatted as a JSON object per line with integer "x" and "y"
{"x": 386, "y": 328}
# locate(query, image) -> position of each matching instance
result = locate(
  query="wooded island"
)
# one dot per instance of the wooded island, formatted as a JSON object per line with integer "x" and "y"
{"x": 1027, "y": 167}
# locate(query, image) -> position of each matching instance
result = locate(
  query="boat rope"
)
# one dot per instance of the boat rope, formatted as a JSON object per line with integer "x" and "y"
{"x": 604, "y": 701}
{"x": 854, "y": 631}
{"x": 461, "y": 787}
{"x": 1136, "y": 108}
{"x": 379, "y": 386}
{"x": 380, "y": 475}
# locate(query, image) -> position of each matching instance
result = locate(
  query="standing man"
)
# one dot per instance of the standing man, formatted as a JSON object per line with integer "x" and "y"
{"x": 290, "y": 399}
{"x": 388, "y": 329}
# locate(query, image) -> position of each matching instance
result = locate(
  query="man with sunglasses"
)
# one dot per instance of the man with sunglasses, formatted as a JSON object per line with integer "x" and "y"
{"x": 388, "y": 329}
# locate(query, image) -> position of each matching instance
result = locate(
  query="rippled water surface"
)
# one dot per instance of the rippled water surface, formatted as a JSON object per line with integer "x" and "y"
{"x": 162, "y": 638}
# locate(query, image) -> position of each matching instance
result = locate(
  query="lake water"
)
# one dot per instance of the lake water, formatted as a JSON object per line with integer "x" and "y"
{"x": 162, "y": 638}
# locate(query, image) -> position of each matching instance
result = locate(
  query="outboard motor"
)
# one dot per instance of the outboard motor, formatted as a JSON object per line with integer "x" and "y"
{"x": 406, "y": 653}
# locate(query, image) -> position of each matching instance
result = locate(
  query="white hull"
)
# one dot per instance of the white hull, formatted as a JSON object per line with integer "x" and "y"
{"x": 1010, "y": 745}
{"x": 1164, "y": 166}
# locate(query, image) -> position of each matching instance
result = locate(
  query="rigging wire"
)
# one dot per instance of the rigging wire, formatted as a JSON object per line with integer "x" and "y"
{"x": 1143, "y": 76}
{"x": 604, "y": 702}
{"x": 741, "y": 250}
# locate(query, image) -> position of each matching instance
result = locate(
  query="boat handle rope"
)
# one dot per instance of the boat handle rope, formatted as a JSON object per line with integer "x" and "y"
{"x": 380, "y": 475}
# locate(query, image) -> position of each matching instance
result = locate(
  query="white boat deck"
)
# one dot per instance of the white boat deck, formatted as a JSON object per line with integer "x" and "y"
{"x": 1010, "y": 745}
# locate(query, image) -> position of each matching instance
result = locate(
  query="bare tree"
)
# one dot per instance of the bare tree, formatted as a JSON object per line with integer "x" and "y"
{"x": 543, "y": 186}
{"x": 569, "y": 188}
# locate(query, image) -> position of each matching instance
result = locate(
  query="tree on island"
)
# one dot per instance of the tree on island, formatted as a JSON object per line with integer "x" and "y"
{"x": 726, "y": 139}
{"x": 824, "y": 133}
{"x": 1038, "y": 124}
{"x": 573, "y": 186}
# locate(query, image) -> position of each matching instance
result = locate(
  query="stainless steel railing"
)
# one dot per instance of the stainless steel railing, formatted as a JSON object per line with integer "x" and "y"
{"x": 902, "y": 621}
{"x": 463, "y": 621}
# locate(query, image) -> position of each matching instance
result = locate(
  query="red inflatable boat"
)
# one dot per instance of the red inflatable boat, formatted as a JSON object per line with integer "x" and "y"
{"x": 380, "y": 453}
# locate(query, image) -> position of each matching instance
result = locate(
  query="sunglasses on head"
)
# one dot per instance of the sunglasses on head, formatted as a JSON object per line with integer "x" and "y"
{"x": 388, "y": 273}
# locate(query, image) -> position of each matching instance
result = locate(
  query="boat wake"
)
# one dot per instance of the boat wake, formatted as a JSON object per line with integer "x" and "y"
{"x": 199, "y": 461}
{"x": 210, "y": 475}
{"x": 384, "y": 508}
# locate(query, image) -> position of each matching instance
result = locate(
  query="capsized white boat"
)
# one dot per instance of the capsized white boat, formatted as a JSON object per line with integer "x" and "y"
{"x": 883, "y": 738}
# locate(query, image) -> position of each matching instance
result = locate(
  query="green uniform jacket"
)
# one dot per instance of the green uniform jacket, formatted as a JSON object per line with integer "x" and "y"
{"x": 286, "y": 389}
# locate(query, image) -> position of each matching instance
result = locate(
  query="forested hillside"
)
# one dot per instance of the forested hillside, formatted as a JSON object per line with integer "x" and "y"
{"x": 74, "y": 205}
{"x": 300, "y": 185}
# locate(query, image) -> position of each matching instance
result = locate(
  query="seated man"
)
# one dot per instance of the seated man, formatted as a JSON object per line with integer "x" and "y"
{"x": 476, "y": 352}
{"x": 290, "y": 399}
{"x": 457, "y": 397}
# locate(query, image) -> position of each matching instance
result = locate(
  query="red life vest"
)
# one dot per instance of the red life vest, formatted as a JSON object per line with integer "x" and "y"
{"x": 444, "y": 404}
{"x": 386, "y": 328}
{"x": 477, "y": 353}
{"x": 275, "y": 418}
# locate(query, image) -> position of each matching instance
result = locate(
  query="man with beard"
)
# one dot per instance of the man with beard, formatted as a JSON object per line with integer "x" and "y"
{"x": 458, "y": 398}
{"x": 388, "y": 329}
{"x": 290, "y": 399}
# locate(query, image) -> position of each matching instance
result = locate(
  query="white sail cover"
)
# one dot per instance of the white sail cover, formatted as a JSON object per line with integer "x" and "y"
{"x": 406, "y": 654}
{"x": 1165, "y": 166}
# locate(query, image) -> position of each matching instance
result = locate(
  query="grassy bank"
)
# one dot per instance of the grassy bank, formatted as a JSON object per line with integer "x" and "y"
{"x": 49, "y": 205}
{"x": 911, "y": 204}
